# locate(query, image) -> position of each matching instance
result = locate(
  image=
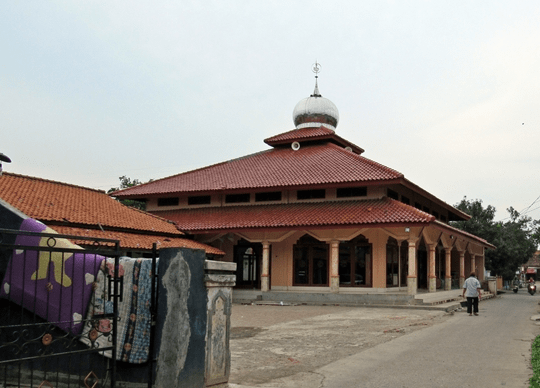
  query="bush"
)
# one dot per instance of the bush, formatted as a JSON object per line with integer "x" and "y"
{"x": 535, "y": 363}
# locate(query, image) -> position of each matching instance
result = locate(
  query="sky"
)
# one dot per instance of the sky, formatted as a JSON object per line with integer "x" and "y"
{"x": 445, "y": 92}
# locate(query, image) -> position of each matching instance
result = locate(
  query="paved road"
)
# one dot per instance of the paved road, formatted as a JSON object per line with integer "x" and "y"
{"x": 491, "y": 350}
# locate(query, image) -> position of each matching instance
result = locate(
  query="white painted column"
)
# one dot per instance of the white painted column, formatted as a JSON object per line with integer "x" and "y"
{"x": 265, "y": 278}
{"x": 412, "y": 279}
{"x": 334, "y": 266}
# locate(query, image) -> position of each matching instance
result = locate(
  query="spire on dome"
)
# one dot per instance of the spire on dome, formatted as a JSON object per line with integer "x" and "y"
{"x": 316, "y": 69}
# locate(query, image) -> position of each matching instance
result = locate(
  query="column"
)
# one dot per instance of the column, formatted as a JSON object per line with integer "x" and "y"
{"x": 448, "y": 269}
{"x": 461, "y": 269}
{"x": 412, "y": 280}
{"x": 334, "y": 266}
{"x": 432, "y": 276}
{"x": 473, "y": 264}
{"x": 265, "y": 283}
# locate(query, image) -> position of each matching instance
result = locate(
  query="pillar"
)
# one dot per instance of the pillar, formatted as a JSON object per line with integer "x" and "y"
{"x": 412, "y": 279}
{"x": 265, "y": 279}
{"x": 219, "y": 280}
{"x": 448, "y": 269}
{"x": 432, "y": 276}
{"x": 461, "y": 269}
{"x": 334, "y": 266}
{"x": 473, "y": 264}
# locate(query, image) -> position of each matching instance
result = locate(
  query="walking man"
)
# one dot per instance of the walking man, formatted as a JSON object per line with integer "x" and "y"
{"x": 472, "y": 290}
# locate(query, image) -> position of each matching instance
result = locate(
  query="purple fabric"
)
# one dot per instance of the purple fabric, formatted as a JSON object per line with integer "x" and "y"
{"x": 58, "y": 287}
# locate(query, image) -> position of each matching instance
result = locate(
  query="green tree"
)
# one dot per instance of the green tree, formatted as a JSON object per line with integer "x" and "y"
{"x": 516, "y": 240}
{"x": 125, "y": 183}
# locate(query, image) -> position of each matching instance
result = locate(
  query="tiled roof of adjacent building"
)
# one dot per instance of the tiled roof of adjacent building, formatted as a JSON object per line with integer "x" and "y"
{"x": 311, "y": 165}
{"x": 61, "y": 205}
{"x": 296, "y": 215}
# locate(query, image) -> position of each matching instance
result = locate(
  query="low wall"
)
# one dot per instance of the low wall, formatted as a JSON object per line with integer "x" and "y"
{"x": 347, "y": 299}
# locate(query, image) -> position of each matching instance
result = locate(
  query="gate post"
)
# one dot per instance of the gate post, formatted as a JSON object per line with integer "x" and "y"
{"x": 219, "y": 279}
{"x": 181, "y": 319}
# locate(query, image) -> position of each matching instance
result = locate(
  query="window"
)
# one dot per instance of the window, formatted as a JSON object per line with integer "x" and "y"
{"x": 346, "y": 192}
{"x": 392, "y": 194}
{"x": 443, "y": 218}
{"x": 311, "y": 194}
{"x": 405, "y": 200}
{"x": 269, "y": 196}
{"x": 236, "y": 198}
{"x": 199, "y": 200}
{"x": 169, "y": 201}
{"x": 435, "y": 214}
{"x": 417, "y": 205}
{"x": 426, "y": 209}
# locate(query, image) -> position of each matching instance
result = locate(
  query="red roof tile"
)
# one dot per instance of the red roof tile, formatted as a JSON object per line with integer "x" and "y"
{"x": 137, "y": 241}
{"x": 279, "y": 167}
{"x": 74, "y": 207}
{"x": 311, "y": 133}
{"x": 296, "y": 215}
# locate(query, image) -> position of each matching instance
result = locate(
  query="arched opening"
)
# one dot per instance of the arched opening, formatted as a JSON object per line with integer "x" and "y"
{"x": 310, "y": 262}
{"x": 247, "y": 257}
{"x": 422, "y": 263}
{"x": 355, "y": 263}
{"x": 397, "y": 263}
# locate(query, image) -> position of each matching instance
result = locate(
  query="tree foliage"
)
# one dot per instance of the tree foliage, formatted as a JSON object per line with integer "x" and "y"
{"x": 125, "y": 183}
{"x": 516, "y": 238}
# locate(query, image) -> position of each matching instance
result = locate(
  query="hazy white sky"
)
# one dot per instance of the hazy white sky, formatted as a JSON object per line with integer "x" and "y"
{"x": 446, "y": 92}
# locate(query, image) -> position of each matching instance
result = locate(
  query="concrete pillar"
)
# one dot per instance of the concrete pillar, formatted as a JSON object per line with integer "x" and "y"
{"x": 265, "y": 277}
{"x": 432, "y": 276}
{"x": 334, "y": 266}
{"x": 461, "y": 269}
{"x": 181, "y": 323}
{"x": 219, "y": 279}
{"x": 473, "y": 264}
{"x": 412, "y": 279}
{"x": 448, "y": 269}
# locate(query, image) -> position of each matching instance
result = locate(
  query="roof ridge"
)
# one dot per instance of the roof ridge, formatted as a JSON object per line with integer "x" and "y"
{"x": 51, "y": 181}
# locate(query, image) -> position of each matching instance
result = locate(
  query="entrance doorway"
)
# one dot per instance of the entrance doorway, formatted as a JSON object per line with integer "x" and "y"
{"x": 422, "y": 271}
{"x": 310, "y": 258}
{"x": 247, "y": 257}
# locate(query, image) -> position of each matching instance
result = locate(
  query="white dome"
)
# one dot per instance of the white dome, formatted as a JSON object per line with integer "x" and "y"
{"x": 315, "y": 111}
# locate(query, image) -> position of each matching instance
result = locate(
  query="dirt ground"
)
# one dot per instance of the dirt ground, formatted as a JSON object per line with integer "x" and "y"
{"x": 270, "y": 342}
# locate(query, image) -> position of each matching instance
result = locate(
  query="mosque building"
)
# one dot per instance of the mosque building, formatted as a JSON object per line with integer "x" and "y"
{"x": 312, "y": 216}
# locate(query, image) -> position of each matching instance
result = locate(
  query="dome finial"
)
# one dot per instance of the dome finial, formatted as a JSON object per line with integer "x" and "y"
{"x": 316, "y": 68}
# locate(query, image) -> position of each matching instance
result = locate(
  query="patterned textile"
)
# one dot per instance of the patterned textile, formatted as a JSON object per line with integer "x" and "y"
{"x": 57, "y": 286}
{"x": 133, "y": 339}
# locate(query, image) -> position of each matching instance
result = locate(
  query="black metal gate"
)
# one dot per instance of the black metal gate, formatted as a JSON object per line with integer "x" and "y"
{"x": 48, "y": 336}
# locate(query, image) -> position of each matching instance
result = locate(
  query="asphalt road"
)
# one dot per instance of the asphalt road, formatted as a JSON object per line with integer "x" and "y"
{"x": 489, "y": 350}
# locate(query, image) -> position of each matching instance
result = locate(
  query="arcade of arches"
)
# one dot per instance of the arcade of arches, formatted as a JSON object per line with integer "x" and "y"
{"x": 355, "y": 261}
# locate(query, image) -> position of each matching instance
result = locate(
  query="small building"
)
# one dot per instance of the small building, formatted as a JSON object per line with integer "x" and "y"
{"x": 311, "y": 214}
{"x": 80, "y": 211}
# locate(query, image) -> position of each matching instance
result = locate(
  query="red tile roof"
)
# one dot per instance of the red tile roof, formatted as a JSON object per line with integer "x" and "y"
{"x": 279, "y": 167}
{"x": 54, "y": 202}
{"x": 310, "y": 134}
{"x": 297, "y": 215}
{"x": 136, "y": 241}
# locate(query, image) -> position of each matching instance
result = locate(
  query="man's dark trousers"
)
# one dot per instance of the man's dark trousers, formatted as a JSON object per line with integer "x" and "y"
{"x": 472, "y": 302}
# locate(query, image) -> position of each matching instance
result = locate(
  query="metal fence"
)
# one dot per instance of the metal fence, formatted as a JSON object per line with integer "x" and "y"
{"x": 48, "y": 335}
